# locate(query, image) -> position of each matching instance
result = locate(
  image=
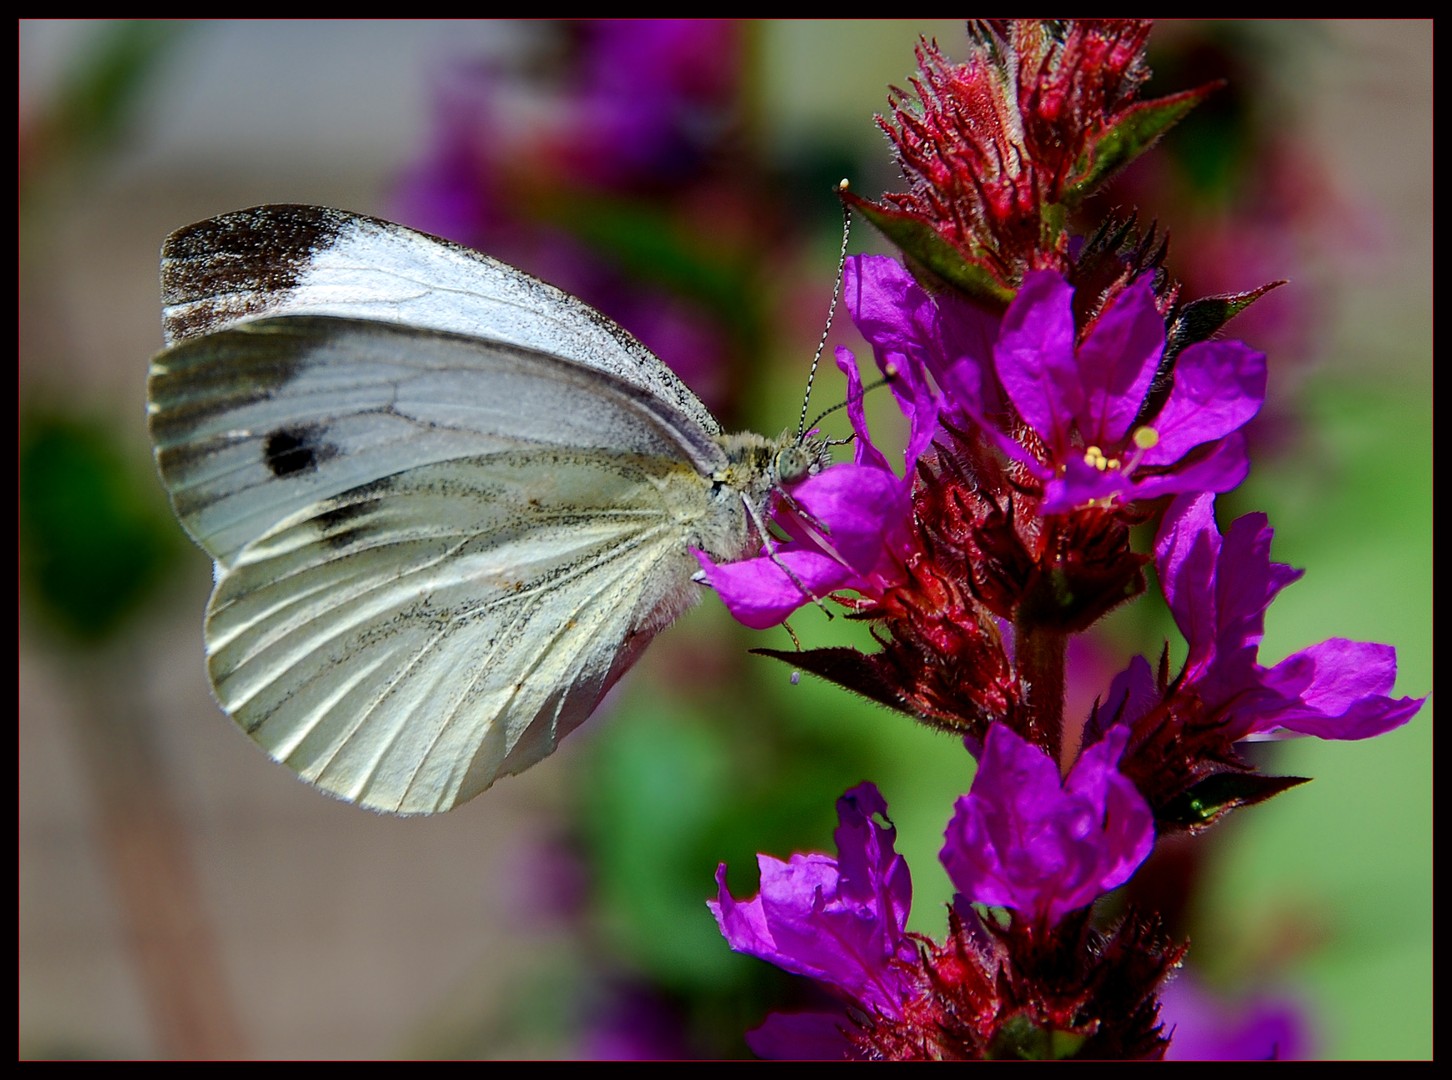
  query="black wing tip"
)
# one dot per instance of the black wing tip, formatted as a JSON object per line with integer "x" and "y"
{"x": 228, "y": 267}
{"x": 244, "y": 227}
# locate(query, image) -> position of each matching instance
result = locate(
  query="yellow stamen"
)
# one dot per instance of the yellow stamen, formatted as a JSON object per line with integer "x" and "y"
{"x": 1095, "y": 457}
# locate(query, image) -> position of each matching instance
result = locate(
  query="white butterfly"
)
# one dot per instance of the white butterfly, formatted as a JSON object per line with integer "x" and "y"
{"x": 449, "y": 504}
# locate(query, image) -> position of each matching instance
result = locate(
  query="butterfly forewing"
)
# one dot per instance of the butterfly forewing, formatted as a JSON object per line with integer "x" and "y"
{"x": 311, "y": 260}
{"x": 434, "y": 552}
{"x": 254, "y": 424}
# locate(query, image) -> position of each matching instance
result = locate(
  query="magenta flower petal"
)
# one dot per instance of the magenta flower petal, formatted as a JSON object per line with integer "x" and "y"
{"x": 1116, "y": 363}
{"x": 1219, "y": 614}
{"x": 760, "y": 593}
{"x": 840, "y": 921}
{"x": 892, "y": 311}
{"x": 865, "y": 450}
{"x": 1131, "y": 695}
{"x": 911, "y": 331}
{"x": 1217, "y": 467}
{"x": 1218, "y": 589}
{"x": 864, "y": 508}
{"x": 1219, "y": 386}
{"x": 1034, "y": 358}
{"x": 902, "y": 323}
{"x": 1024, "y": 840}
{"x": 1339, "y": 689}
{"x": 963, "y": 363}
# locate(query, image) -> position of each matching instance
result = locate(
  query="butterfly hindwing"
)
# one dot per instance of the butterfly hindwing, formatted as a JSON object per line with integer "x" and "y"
{"x": 413, "y": 640}
{"x": 448, "y": 503}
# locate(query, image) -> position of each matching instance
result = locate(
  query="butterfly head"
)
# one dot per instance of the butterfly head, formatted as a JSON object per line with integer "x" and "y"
{"x": 798, "y": 457}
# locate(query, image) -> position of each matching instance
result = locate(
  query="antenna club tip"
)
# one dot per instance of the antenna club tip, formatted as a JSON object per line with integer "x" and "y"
{"x": 843, "y": 185}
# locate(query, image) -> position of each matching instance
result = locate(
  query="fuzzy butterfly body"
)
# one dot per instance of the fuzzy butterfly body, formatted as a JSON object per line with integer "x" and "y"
{"x": 448, "y": 504}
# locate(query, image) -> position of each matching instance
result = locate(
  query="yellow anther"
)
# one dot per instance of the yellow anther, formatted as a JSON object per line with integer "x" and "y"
{"x": 1095, "y": 457}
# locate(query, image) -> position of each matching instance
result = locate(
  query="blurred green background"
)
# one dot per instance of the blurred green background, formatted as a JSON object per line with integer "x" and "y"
{"x": 182, "y": 896}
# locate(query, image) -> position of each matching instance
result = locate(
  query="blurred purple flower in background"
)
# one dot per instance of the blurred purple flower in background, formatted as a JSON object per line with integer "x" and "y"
{"x": 1210, "y": 1028}
{"x": 624, "y": 145}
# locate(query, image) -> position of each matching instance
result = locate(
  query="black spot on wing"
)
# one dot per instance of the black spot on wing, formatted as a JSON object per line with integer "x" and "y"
{"x": 345, "y": 521}
{"x": 339, "y": 517}
{"x": 289, "y": 451}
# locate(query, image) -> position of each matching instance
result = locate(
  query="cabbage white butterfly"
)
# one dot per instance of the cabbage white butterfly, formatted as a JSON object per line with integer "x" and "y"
{"x": 448, "y": 504}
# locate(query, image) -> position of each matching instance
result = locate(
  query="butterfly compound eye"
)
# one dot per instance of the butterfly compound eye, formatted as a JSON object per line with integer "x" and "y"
{"x": 794, "y": 464}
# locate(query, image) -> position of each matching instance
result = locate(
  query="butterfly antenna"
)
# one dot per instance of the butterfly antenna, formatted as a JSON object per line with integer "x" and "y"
{"x": 831, "y": 312}
{"x": 887, "y": 381}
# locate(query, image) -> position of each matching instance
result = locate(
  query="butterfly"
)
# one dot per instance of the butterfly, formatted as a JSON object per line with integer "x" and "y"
{"x": 448, "y": 504}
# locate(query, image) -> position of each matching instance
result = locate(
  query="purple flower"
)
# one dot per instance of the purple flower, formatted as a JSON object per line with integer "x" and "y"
{"x": 1218, "y": 589}
{"x": 1021, "y": 839}
{"x": 1085, "y": 402}
{"x": 651, "y": 98}
{"x": 849, "y": 525}
{"x": 839, "y": 921}
{"x": 1024, "y": 839}
{"x": 912, "y": 331}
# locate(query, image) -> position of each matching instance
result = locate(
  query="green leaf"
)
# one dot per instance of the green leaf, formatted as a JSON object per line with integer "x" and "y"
{"x": 1133, "y": 134}
{"x": 1215, "y": 796}
{"x": 923, "y": 246}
